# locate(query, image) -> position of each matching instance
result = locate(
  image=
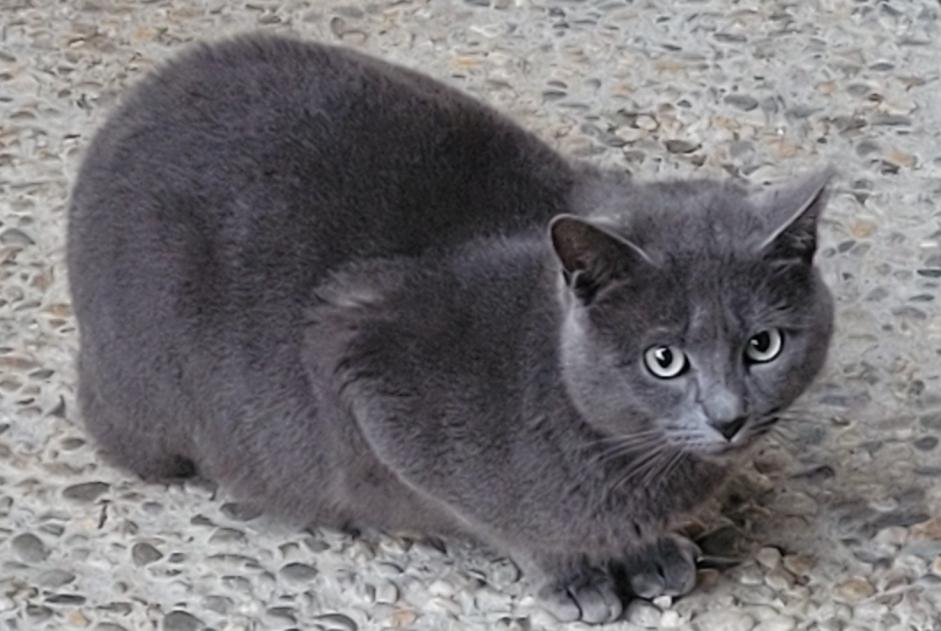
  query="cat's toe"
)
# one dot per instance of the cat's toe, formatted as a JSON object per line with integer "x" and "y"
{"x": 589, "y": 598}
{"x": 598, "y": 602}
{"x": 664, "y": 568}
{"x": 560, "y": 604}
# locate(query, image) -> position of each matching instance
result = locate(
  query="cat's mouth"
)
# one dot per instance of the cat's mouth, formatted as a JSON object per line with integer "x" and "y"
{"x": 718, "y": 446}
{"x": 751, "y": 434}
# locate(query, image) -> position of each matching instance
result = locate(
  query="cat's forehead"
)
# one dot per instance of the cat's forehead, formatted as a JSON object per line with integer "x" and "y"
{"x": 686, "y": 219}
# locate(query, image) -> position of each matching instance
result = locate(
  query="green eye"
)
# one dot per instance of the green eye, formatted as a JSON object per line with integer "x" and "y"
{"x": 764, "y": 346}
{"x": 665, "y": 362}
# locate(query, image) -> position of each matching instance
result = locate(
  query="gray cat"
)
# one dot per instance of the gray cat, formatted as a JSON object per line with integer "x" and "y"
{"x": 361, "y": 298}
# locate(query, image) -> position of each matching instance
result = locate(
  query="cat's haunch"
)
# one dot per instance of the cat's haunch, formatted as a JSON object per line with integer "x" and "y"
{"x": 357, "y": 296}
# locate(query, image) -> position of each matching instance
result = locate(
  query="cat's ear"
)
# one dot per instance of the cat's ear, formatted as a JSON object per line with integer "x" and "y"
{"x": 794, "y": 211}
{"x": 591, "y": 256}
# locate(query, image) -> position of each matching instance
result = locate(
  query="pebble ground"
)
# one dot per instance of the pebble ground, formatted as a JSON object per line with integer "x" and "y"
{"x": 838, "y": 519}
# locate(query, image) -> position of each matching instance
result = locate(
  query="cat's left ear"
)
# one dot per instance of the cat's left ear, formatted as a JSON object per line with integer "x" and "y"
{"x": 794, "y": 211}
{"x": 591, "y": 256}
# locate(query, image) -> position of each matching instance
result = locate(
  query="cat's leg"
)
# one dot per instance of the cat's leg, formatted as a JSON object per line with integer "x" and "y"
{"x": 575, "y": 589}
{"x": 123, "y": 439}
{"x": 664, "y": 567}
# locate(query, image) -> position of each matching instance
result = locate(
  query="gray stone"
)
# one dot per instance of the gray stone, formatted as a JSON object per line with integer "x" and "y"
{"x": 55, "y": 578}
{"x": 30, "y": 548}
{"x": 86, "y": 492}
{"x": 240, "y": 511}
{"x": 336, "y": 621}
{"x": 218, "y": 604}
{"x": 742, "y": 101}
{"x": 298, "y": 572}
{"x": 181, "y": 621}
{"x": 145, "y": 554}
{"x": 681, "y": 146}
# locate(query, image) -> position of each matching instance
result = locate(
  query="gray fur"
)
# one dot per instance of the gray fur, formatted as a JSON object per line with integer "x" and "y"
{"x": 333, "y": 285}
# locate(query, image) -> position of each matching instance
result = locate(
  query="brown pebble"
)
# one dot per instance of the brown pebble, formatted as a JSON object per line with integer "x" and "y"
{"x": 854, "y": 590}
{"x": 928, "y": 530}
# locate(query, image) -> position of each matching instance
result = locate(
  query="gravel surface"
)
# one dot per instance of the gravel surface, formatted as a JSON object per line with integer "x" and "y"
{"x": 839, "y": 517}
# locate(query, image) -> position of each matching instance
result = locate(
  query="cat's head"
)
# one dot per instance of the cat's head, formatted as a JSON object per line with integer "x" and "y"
{"x": 693, "y": 312}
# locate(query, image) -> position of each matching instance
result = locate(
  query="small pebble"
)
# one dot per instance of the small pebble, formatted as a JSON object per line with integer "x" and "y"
{"x": 402, "y": 618}
{"x": 930, "y": 529}
{"x": 298, "y": 572}
{"x": 642, "y": 614}
{"x": 503, "y": 573}
{"x": 240, "y": 511}
{"x": 441, "y": 587}
{"x": 854, "y": 590}
{"x": 799, "y": 565}
{"x": 145, "y": 554}
{"x": 742, "y": 101}
{"x": 30, "y": 548}
{"x": 681, "y": 146}
{"x": 778, "y": 623}
{"x": 936, "y": 566}
{"x": 663, "y": 602}
{"x": 670, "y": 620}
{"x": 645, "y": 122}
{"x": 86, "y": 492}
{"x": 77, "y": 619}
{"x": 337, "y": 621}
{"x": 779, "y": 580}
{"x": 181, "y": 621}
{"x": 386, "y": 592}
{"x": 218, "y": 604}
{"x": 769, "y": 557}
{"x": 751, "y": 575}
{"x": 723, "y": 620}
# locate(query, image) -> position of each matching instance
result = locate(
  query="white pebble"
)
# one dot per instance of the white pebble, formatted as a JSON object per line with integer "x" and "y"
{"x": 670, "y": 620}
{"x": 488, "y": 599}
{"x": 441, "y": 587}
{"x": 769, "y": 557}
{"x": 724, "y": 620}
{"x": 646, "y": 122}
{"x": 750, "y": 575}
{"x": 643, "y": 614}
{"x": 387, "y": 592}
{"x": 779, "y": 623}
{"x": 779, "y": 580}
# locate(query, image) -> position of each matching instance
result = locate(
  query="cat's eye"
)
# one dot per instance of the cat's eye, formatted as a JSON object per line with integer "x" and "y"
{"x": 764, "y": 346}
{"x": 665, "y": 362}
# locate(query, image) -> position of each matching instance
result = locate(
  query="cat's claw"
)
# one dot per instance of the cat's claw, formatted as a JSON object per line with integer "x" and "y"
{"x": 666, "y": 567}
{"x": 591, "y": 598}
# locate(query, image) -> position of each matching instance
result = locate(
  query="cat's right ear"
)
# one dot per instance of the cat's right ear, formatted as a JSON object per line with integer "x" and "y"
{"x": 590, "y": 256}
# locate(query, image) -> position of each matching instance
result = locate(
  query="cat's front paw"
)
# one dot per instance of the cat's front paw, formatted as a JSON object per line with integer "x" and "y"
{"x": 588, "y": 595}
{"x": 666, "y": 567}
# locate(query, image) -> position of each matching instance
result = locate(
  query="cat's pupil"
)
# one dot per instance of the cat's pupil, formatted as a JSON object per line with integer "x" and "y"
{"x": 761, "y": 342}
{"x": 664, "y": 356}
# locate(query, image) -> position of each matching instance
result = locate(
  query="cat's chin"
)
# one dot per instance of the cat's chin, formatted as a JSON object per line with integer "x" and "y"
{"x": 727, "y": 454}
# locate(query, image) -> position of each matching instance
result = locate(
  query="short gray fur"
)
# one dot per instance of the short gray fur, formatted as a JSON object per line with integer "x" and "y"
{"x": 360, "y": 298}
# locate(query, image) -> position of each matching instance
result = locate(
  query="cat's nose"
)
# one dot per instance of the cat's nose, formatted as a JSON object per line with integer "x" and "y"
{"x": 729, "y": 427}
